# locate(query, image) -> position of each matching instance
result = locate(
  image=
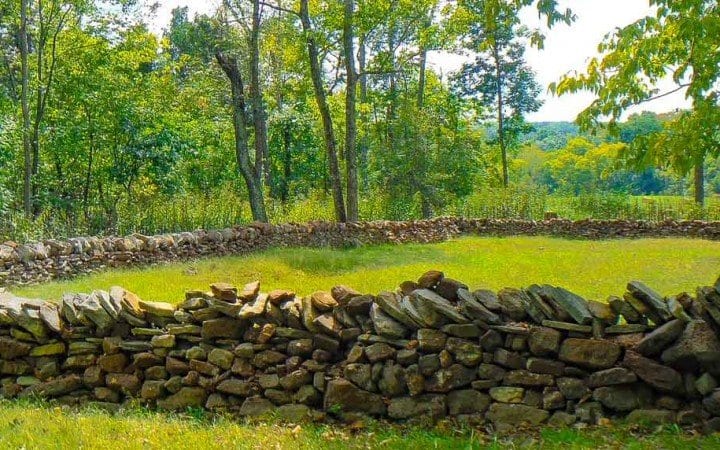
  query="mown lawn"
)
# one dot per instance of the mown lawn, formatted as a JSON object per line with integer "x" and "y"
{"x": 37, "y": 426}
{"x": 594, "y": 269}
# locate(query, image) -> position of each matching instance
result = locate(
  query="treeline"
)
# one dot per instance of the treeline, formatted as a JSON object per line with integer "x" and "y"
{"x": 266, "y": 103}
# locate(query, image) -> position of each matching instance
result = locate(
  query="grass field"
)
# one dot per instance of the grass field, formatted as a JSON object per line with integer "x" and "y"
{"x": 594, "y": 269}
{"x": 36, "y": 426}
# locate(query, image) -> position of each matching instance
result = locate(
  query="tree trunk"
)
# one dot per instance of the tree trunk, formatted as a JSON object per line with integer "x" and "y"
{"x": 321, "y": 99}
{"x": 262, "y": 154}
{"x": 242, "y": 156}
{"x": 501, "y": 118}
{"x": 353, "y": 214}
{"x": 287, "y": 167}
{"x": 700, "y": 179}
{"x": 362, "y": 80}
{"x": 425, "y": 204}
{"x": 24, "y": 100}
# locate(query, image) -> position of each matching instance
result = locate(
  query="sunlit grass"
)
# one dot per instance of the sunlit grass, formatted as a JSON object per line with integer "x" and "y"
{"x": 30, "y": 425}
{"x": 594, "y": 269}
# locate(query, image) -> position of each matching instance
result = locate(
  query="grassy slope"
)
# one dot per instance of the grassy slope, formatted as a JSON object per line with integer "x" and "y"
{"x": 31, "y": 426}
{"x": 594, "y": 269}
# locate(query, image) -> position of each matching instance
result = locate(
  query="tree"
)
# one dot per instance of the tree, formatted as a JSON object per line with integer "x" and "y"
{"x": 499, "y": 77}
{"x": 316, "y": 74}
{"x": 351, "y": 78}
{"x": 680, "y": 41}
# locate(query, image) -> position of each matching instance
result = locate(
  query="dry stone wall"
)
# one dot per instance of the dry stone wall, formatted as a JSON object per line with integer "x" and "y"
{"x": 429, "y": 350}
{"x": 50, "y": 259}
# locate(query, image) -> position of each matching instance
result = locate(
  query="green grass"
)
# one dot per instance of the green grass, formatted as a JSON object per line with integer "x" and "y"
{"x": 30, "y": 425}
{"x": 591, "y": 268}
{"x": 594, "y": 269}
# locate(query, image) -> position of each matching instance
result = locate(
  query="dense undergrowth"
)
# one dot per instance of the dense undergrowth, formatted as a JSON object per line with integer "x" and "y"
{"x": 157, "y": 214}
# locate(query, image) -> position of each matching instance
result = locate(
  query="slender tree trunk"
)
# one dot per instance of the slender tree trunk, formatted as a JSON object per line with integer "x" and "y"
{"x": 25, "y": 104}
{"x": 699, "y": 179}
{"x": 362, "y": 80}
{"x": 88, "y": 173}
{"x": 262, "y": 154}
{"x": 321, "y": 99}
{"x": 501, "y": 118}
{"x": 353, "y": 214}
{"x": 425, "y": 204}
{"x": 242, "y": 156}
{"x": 287, "y": 167}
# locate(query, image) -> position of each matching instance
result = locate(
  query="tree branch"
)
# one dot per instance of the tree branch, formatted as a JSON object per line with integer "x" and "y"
{"x": 280, "y": 8}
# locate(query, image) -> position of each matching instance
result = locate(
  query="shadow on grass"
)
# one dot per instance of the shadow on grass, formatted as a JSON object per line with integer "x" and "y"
{"x": 331, "y": 261}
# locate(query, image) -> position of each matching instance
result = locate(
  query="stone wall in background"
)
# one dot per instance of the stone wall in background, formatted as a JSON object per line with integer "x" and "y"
{"x": 431, "y": 349}
{"x": 42, "y": 261}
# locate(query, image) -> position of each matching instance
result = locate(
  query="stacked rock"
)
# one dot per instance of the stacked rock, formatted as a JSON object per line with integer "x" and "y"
{"x": 431, "y": 349}
{"x": 40, "y": 261}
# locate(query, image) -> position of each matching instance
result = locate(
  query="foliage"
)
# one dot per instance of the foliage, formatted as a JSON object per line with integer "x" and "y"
{"x": 681, "y": 40}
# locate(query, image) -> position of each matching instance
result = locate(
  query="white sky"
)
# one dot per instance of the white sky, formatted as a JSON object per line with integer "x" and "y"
{"x": 566, "y": 49}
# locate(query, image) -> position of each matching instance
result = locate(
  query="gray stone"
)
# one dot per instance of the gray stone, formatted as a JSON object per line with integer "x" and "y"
{"x": 430, "y": 340}
{"x": 611, "y": 377}
{"x": 512, "y": 303}
{"x": 527, "y": 379}
{"x": 454, "y": 377}
{"x": 546, "y": 366}
{"x": 572, "y": 388}
{"x": 507, "y": 414}
{"x": 656, "y": 375}
{"x": 221, "y": 358}
{"x": 592, "y": 354}
{"x": 379, "y": 352}
{"x": 470, "y": 307}
{"x": 390, "y": 305}
{"x": 490, "y": 372}
{"x": 659, "y": 339}
{"x": 465, "y": 352}
{"x": 467, "y": 402}
{"x": 544, "y": 341}
{"x": 347, "y": 397}
{"x": 573, "y": 304}
{"x": 705, "y": 384}
{"x": 421, "y": 312}
{"x": 697, "y": 347}
{"x": 11, "y": 348}
{"x": 237, "y": 387}
{"x": 466, "y": 331}
{"x": 293, "y": 413}
{"x": 392, "y": 381}
{"x": 651, "y": 299}
{"x": 254, "y": 308}
{"x": 568, "y": 326}
{"x": 624, "y": 397}
{"x": 222, "y": 328}
{"x": 429, "y": 405}
{"x": 561, "y": 419}
{"x": 440, "y": 305}
{"x": 92, "y": 309}
{"x": 491, "y": 340}
{"x": 507, "y": 394}
{"x": 256, "y": 407}
{"x": 385, "y": 325}
{"x": 54, "y": 388}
